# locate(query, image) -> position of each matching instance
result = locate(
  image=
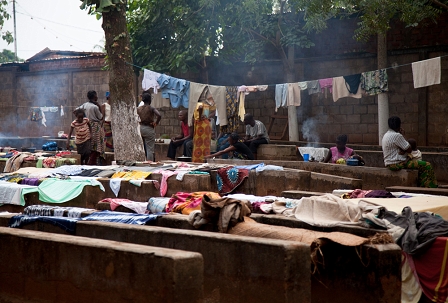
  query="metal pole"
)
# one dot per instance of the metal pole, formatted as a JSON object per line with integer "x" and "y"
{"x": 15, "y": 33}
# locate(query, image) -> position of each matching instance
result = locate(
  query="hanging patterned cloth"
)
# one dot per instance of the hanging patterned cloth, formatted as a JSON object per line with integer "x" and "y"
{"x": 232, "y": 110}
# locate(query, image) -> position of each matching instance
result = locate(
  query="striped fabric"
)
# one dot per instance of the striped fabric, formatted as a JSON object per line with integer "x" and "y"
{"x": 392, "y": 143}
{"x": 82, "y": 131}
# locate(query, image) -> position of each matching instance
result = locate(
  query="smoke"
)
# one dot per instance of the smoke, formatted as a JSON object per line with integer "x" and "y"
{"x": 310, "y": 131}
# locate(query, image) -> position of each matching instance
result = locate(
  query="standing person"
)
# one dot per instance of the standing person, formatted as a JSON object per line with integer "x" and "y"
{"x": 106, "y": 111}
{"x": 340, "y": 151}
{"x": 149, "y": 119}
{"x": 82, "y": 128}
{"x": 239, "y": 149}
{"x": 395, "y": 148}
{"x": 185, "y": 136}
{"x": 256, "y": 133}
{"x": 93, "y": 113}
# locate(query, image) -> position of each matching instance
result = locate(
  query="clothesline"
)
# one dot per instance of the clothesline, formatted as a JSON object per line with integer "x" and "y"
{"x": 273, "y": 85}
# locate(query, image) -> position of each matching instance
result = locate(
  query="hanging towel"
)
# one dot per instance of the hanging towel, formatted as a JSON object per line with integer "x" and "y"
{"x": 426, "y": 72}
{"x": 158, "y": 101}
{"x": 374, "y": 82}
{"x": 115, "y": 185}
{"x": 241, "y": 108}
{"x": 303, "y": 85}
{"x": 150, "y": 80}
{"x": 313, "y": 87}
{"x": 219, "y": 96}
{"x": 280, "y": 95}
{"x": 340, "y": 89}
{"x": 196, "y": 90}
{"x": 352, "y": 82}
{"x": 326, "y": 83}
{"x": 293, "y": 94}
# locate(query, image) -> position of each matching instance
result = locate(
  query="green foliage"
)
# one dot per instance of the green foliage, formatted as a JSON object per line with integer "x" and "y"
{"x": 176, "y": 35}
{"x": 6, "y": 35}
{"x": 8, "y": 56}
{"x": 374, "y": 15}
{"x": 99, "y": 6}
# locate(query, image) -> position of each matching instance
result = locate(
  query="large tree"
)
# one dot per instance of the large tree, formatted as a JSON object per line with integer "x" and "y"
{"x": 375, "y": 18}
{"x": 127, "y": 140}
{"x": 6, "y": 35}
{"x": 8, "y": 56}
{"x": 177, "y": 35}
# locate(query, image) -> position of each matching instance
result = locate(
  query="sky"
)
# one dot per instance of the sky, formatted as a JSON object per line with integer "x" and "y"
{"x": 56, "y": 24}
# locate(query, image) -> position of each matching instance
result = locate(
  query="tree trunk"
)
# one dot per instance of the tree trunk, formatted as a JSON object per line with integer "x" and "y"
{"x": 293, "y": 125}
{"x": 128, "y": 144}
{"x": 383, "y": 101}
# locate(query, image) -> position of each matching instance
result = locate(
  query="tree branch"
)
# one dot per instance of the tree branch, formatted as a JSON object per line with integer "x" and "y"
{"x": 445, "y": 6}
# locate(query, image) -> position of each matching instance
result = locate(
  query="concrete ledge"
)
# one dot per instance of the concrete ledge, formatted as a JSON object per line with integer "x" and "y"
{"x": 44, "y": 267}
{"x": 327, "y": 183}
{"x": 276, "y": 152}
{"x": 372, "y": 177}
{"x": 420, "y": 190}
{"x": 298, "y": 194}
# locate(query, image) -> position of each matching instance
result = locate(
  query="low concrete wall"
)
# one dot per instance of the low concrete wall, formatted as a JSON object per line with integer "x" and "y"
{"x": 372, "y": 177}
{"x": 44, "y": 267}
{"x": 236, "y": 268}
{"x": 276, "y": 152}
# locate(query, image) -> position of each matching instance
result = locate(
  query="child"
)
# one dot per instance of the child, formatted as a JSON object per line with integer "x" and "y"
{"x": 415, "y": 153}
{"x": 340, "y": 151}
{"x": 83, "y": 131}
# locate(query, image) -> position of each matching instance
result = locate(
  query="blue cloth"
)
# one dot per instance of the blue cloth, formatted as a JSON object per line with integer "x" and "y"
{"x": 281, "y": 93}
{"x": 249, "y": 167}
{"x": 222, "y": 144}
{"x": 67, "y": 224}
{"x": 119, "y": 217}
{"x": 177, "y": 90}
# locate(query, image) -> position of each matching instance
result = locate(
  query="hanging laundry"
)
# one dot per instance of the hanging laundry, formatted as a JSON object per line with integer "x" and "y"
{"x": 374, "y": 82}
{"x": 426, "y": 72}
{"x": 150, "y": 80}
{"x": 177, "y": 90}
{"x": 231, "y": 110}
{"x": 158, "y": 101}
{"x": 303, "y": 85}
{"x": 352, "y": 82}
{"x": 196, "y": 89}
{"x": 293, "y": 94}
{"x": 219, "y": 96}
{"x": 243, "y": 91}
{"x": 53, "y": 109}
{"x": 35, "y": 114}
{"x": 340, "y": 89}
{"x": 281, "y": 95}
{"x": 62, "y": 111}
{"x": 313, "y": 87}
{"x": 326, "y": 83}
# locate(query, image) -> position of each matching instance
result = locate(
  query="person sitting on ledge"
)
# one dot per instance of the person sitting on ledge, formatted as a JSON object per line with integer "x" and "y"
{"x": 182, "y": 139}
{"x": 256, "y": 134}
{"x": 340, "y": 151}
{"x": 239, "y": 149}
{"x": 395, "y": 150}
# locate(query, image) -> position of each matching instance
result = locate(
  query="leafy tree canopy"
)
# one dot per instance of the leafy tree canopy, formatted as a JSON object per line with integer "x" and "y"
{"x": 6, "y": 35}
{"x": 176, "y": 35}
{"x": 8, "y": 56}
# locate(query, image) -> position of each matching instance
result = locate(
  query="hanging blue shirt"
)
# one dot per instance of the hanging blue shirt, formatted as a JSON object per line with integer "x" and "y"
{"x": 177, "y": 90}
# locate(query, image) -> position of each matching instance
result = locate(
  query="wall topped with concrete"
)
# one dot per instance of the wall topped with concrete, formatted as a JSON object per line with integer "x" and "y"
{"x": 46, "y": 267}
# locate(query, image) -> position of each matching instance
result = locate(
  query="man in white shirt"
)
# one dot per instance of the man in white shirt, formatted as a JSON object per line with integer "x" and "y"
{"x": 395, "y": 150}
{"x": 256, "y": 133}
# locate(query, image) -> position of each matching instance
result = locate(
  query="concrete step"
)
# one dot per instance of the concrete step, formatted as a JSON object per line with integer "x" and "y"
{"x": 443, "y": 191}
{"x": 298, "y": 194}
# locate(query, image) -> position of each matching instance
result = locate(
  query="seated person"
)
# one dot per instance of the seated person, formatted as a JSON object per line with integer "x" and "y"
{"x": 238, "y": 149}
{"x": 340, "y": 151}
{"x": 185, "y": 136}
{"x": 415, "y": 153}
{"x": 395, "y": 146}
{"x": 256, "y": 133}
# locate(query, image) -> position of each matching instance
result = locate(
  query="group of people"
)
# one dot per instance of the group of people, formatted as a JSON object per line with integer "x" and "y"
{"x": 92, "y": 128}
{"x": 240, "y": 148}
{"x": 398, "y": 153}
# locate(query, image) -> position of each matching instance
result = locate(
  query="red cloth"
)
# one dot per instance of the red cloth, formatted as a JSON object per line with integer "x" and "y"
{"x": 432, "y": 270}
{"x": 185, "y": 128}
{"x": 114, "y": 202}
{"x": 229, "y": 178}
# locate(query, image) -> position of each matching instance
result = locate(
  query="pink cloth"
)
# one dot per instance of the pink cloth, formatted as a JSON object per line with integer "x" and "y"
{"x": 328, "y": 82}
{"x": 164, "y": 184}
{"x": 335, "y": 154}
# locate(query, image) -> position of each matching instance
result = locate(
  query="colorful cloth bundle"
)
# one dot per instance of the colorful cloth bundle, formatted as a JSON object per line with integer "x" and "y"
{"x": 229, "y": 178}
{"x": 185, "y": 203}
